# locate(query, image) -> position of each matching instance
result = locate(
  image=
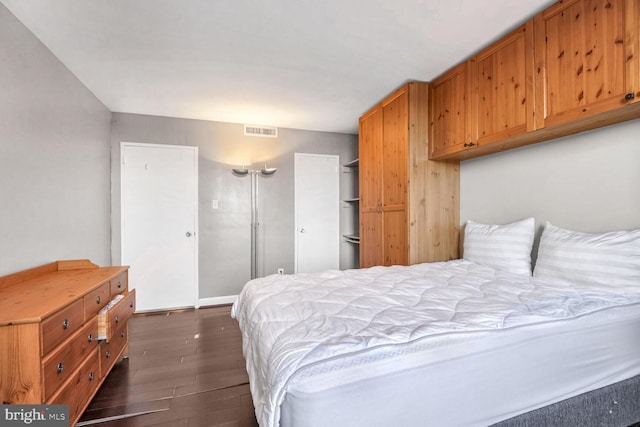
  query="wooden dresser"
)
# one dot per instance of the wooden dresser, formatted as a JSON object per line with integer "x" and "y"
{"x": 49, "y": 346}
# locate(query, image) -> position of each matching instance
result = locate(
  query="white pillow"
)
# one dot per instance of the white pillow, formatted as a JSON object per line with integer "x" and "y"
{"x": 502, "y": 247}
{"x": 611, "y": 258}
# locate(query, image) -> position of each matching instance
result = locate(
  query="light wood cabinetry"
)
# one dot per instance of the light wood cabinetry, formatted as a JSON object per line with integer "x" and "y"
{"x": 408, "y": 205}
{"x": 503, "y": 99}
{"x": 587, "y": 58}
{"x": 49, "y": 331}
{"x": 450, "y": 127}
{"x": 573, "y": 67}
{"x": 370, "y": 187}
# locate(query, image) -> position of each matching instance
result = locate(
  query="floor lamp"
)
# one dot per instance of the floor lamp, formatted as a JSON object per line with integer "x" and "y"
{"x": 254, "y": 174}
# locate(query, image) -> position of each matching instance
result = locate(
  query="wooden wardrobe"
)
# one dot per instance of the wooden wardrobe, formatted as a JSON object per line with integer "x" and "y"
{"x": 409, "y": 205}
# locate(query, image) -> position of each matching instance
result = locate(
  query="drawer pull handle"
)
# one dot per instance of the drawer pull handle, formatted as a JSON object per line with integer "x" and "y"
{"x": 90, "y": 338}
{"x": 119, "y": 285}
{"x": 122, "y": 334}
{"x": 107, "y": 354}
{"x": 98, "y": 300}
{"x": 131, "y": 304}
{"x": 117, "y": 319}
{"x": 60, "y": 367}
{"x": 629, "y": 96}
{"x": 65, "y": 324}
{"x": 91, "y": 376}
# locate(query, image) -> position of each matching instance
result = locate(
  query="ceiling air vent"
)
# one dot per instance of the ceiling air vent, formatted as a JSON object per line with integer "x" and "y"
{"x": 268, "y": 132}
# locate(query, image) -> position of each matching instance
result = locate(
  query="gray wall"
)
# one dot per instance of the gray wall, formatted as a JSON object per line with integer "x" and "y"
{"x": 54, "y": 158}
{"x": 224, "y": 234}
{"x": 588, "y": 182}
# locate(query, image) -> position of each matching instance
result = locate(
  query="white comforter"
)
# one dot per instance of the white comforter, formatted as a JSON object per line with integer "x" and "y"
{"x": 290, "y": 323}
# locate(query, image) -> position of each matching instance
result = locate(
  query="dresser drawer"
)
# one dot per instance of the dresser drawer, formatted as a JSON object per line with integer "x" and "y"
{"x": 60, "y": 365}
{"x": 96, "y": 299}
{"x": 119, "y": 284}
{"x": 61, "y": 325}
{"x": 116, "y": 316}
{"x": 80, "y": 388}
{"x": 109, "y": 351}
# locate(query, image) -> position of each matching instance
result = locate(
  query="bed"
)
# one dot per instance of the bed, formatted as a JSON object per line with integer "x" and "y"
{"x": 469, "y": 342}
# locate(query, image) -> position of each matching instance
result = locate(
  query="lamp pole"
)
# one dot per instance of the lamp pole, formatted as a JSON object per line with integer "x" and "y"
{"x": 254, "y": 210}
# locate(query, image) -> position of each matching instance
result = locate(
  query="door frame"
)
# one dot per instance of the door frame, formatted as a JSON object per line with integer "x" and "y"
{"x": 194, "y": 149}
{"x": 295, "y": 204}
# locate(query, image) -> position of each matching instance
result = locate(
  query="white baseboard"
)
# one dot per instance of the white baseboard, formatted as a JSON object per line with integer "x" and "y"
{"x": 203, "y": 302}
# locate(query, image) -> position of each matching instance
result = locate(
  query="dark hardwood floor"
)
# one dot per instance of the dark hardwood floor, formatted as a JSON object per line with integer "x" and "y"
{"x": 185, "y": 369}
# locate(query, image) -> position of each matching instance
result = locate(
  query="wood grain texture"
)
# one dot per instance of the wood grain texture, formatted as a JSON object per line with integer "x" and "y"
{"x": 395, "y": 149}
{"x": 395, "y": 237}
{"x": 573, "y": 67}
{"x": 632, "y": 48}
{"x": 83, "y": 383}
{"x": 110, "y": 351}
{"x": 371, "y": 239}
{"x": 370, "y": 160}
{"x": 68, "y": 357}
{"x": 77, "y": 264}
{"x": 95, "y": 300}
{"x": 434, "y": 188}
{"x": 50, "y": 291}
{"x": 450, "y": 117}
{"x": 417, "y": 220}
{"x": 20, "y": 376}
{"x": 585, "y": 56}
{"x": 61, "y": 325}
{"x": 504, "y": 100}
{"x": 25, "y": 275}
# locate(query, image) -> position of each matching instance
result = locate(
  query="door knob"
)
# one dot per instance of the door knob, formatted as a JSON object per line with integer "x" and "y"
{"x": 302, "y": 230}
{"x": 188, "y": 234}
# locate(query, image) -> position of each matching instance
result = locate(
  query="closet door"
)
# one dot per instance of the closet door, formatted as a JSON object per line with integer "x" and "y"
{"x": 395, "y": 152}
{"x": 370, "y": 184}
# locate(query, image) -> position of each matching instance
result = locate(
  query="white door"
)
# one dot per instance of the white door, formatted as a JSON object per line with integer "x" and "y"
{"x": 159, "y": 223}
{"x": 317, "y": 212}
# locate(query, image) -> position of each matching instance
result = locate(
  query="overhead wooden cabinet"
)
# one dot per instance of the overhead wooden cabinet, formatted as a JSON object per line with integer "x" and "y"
{"x": 409, "y": 206}
{"x": 450, "y": 127}
{"x": 503, "y": 98}
{"x": 486, "y": 99}
{"x": 571, "y": 68}
{"x": 587, "y": 56}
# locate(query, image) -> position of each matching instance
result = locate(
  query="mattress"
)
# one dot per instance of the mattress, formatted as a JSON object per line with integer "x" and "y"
{"x": 438, "y": 344}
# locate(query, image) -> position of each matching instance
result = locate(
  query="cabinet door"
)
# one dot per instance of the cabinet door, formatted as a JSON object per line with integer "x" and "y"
{"x": 395, "y": 159}
{"x": 370, "y": 163}
{"x": 586, "y": 58}
{"x": 370, "y": 185}
{"x": 395, "y": 150}
{"x": 371, "y": 252}
{"x": 396, "y": 237}
{"x": 502, "y": 82}
{"x": 449, "y": 124}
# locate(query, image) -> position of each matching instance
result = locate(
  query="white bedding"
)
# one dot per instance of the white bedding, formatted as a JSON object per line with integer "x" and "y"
{"x": 322, "y": 330}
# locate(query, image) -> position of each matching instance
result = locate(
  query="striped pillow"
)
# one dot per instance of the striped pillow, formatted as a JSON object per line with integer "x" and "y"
{"x": 611, "y": 258}
{"x": 502, "y": 247}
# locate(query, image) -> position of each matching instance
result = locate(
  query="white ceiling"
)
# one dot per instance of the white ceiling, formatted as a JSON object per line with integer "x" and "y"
{"x": 301, "y": 64}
